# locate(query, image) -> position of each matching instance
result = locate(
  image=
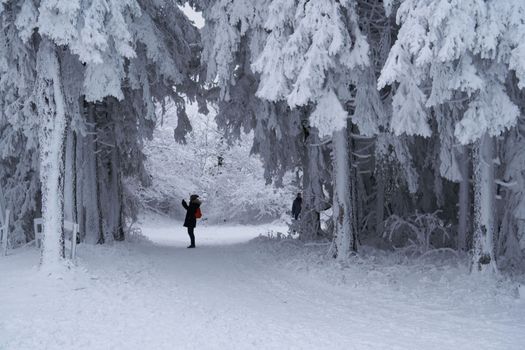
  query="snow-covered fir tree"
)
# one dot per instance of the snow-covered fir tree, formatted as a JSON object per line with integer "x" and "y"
{"x": 90, "y": 90}
{"x": 460, "y": 56}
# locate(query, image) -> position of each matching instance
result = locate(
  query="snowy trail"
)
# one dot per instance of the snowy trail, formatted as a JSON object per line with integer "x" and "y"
{"x": 225, "y": 294}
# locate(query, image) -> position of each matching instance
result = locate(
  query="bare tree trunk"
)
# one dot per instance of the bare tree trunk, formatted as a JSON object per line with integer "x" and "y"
{"x": 79, "y": 180}
{"x": 113, "y": 216}
{"x": 74, "y": 180}
{"x": 120, "y": 234}
{"x": 380, "y": 200}
{"x": 101, "y": 236}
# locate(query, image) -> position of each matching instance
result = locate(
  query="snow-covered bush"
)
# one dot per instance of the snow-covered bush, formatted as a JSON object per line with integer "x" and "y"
{"x": 417, "y": 233}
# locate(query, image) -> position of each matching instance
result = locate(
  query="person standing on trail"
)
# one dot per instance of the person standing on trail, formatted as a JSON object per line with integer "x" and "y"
{"x": 193, "y": 212}
{"x": 296, "y": 206}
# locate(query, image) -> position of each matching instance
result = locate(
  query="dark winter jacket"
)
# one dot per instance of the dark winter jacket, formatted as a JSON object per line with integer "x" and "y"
{"x": 296, "y": 207}
{"x": 190, "y": 220}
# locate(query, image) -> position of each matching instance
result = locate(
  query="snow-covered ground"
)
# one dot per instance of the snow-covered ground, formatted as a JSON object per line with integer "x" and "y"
{"x": 264, "y": 294}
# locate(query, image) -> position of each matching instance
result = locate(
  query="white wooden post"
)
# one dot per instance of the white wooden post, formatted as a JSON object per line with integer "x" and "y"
{"x": 70, "y": 236}
{"x": 37, "y": 224}
{"x": 75, "y": 235}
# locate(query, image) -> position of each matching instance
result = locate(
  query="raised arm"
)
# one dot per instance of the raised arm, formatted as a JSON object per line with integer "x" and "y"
{"x": 184, "y": 204}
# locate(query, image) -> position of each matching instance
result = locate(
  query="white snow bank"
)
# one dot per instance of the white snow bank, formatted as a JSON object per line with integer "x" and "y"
{"x": 441, "y": 277}
{"x": 262, "y": 294}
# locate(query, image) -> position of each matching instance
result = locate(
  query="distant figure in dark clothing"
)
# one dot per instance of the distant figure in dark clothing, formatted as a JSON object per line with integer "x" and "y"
{"x": 191, "y": 221}
{"x": 296, "y": 206}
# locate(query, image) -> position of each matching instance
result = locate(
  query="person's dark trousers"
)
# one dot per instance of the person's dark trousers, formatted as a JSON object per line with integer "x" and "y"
{"x": 192, "y": 236}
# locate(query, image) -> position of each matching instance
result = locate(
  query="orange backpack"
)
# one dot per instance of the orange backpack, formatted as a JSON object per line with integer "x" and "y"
{"x": 198, "y": 213}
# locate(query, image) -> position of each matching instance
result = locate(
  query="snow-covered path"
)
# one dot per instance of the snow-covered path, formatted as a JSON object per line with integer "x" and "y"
{"x": 227, "y": 294}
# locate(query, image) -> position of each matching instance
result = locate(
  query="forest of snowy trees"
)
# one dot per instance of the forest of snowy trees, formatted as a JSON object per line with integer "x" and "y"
{"x": 403, "y": 118}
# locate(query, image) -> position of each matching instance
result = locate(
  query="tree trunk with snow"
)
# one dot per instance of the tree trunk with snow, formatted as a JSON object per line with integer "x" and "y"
{"x": 79, "y": 185}
{"x": 69, "y": 176}
{"x": 342, "y": 201}
{"x": 51, "y": 109}
{"x": 484, "y": 202}
{"x": 90, "y": 202}
{"x": 312, "y": 194}
{"x": 464, "y": 200}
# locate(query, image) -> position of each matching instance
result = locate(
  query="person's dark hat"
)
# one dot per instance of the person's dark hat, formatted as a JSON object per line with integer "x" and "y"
{"x": 194, "y": 197}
